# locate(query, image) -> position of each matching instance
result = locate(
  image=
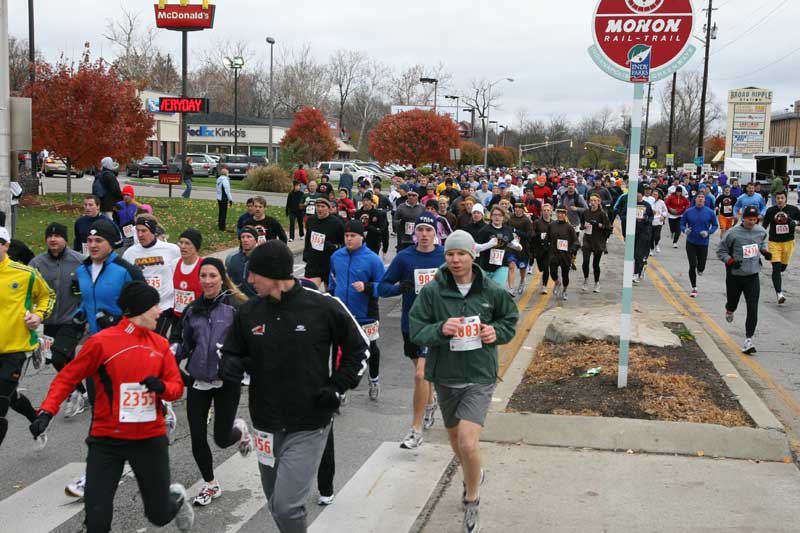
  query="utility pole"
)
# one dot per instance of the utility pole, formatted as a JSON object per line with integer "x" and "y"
{"x": 701, "y": 134}
{"x": 671, "y": 119}
{"x": 270, "y": 152}
{"x": 31, "y": 46}
{"x": 5, "y": 118}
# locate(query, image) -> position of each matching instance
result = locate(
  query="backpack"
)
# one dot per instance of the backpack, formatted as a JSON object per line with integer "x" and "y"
{"x": 98, "y": 189}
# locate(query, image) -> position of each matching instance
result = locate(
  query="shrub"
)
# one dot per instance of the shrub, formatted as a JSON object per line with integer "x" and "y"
{"x": 313, "y": 174}
{"x": 271, "y": 178}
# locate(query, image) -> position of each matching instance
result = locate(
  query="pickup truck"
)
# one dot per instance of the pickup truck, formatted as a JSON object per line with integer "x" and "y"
{"x": 237, "y": 165}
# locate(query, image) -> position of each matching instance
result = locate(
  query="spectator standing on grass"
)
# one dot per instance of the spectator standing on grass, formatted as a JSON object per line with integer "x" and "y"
{"x": 188, "y": 174}
{"x": 346, "y": 180}
{"x": 106, "y": 188}
{"x": 293, "y": 210}
{"x": 224, "y": 198}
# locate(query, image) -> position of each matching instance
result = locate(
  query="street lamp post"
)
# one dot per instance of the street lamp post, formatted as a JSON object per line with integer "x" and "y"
{"x": 488, "y": 108}
{"x": 235, "y": 64}
{"x": 503, "y": 133}
{"x": 454, "y": 97}
{"x": 270, "y": 150}
{"x": 31, "y": 46}
{"x": 435, "y": 83}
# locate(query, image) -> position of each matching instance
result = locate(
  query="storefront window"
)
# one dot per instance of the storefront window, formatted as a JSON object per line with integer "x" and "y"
{"x": 241, "y": 149}
{"x": 196, "y": 148}
{"x": 219, "y": 148}
{"x": 258, "y": 150}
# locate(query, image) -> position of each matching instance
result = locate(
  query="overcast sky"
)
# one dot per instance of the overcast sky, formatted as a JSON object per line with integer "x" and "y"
{"x": 540, "y": 43}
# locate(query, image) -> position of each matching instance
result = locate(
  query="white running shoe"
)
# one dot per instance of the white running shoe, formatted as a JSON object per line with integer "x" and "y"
{"x": 557, "y": 288}
{"x": 374, "y": 389}
{"x": 170, "y": 419}
{"x": 207, "y": 493}
{"x": 585, "y": 286}
{"x": 79, "y": 406}
{"x": 41, "y": 441}
{"x": 412, "y": 441}
{"x": 781, "y": 298}
{"x": 728, "y": 316}
{"x": 596, "y": 287}
{"x": 544, "y": 289}
{"x": 658, "y": 249}
{"x": 635, "y": 278}
{"x": 245, "y": 440}
{"x": 564, "y": 295}
{"x": 185, "y": 517}
{"x": 674, "y": 244}
{"x": 71, "y": 404}
{"x": 749, "y": 348}
{"x": 76, "y": 488}
{"x": 693, "y": 294}
{"x": 325, "y": 500}
{"x": 471, "y": 517}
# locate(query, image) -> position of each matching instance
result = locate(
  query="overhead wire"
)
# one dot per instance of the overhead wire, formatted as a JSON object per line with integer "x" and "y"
{"x": 751, "y": 28}
{"x": 763, "y": 67}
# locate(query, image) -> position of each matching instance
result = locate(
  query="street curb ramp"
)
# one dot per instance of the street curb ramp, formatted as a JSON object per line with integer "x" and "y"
{"x": 766, "y": 442}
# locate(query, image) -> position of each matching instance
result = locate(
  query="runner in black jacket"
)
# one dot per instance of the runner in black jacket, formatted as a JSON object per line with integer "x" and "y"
{"x": 286, "y": 340}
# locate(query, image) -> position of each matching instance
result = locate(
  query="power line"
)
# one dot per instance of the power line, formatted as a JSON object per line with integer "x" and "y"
{"x": 762, "y": 68}
{"x": 751, "y": 28}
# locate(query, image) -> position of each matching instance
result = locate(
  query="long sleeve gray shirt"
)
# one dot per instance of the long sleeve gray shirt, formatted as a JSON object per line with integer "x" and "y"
{"x": 744, "y": 245}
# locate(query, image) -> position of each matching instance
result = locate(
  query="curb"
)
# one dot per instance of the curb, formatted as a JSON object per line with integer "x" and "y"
{"x": 766, "y": 442}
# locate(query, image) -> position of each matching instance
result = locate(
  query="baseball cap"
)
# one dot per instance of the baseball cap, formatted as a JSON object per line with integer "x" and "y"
{"x": 4, "y": 236}
{"x": 502, "y": 185}
{"x": 750, "y": 211}
{"x": 478, "y": 208}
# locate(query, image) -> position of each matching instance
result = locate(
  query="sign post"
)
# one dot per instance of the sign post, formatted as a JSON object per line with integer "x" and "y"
{"x": 638, "y": 41}
{"x": 184, "y": 17}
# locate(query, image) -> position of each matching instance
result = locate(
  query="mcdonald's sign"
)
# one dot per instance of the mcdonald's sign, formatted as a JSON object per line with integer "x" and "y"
{"x": 185, "y": 16}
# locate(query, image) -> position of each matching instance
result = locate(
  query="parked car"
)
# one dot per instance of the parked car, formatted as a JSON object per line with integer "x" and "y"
{"x": 257, "y": 161}
{"x": 147, "y": 166}
{"x": 334, "y": 169}
{"x": 237, "y": 165}
{"x": 203, "y": 165}
{"x": 54, "y": 165}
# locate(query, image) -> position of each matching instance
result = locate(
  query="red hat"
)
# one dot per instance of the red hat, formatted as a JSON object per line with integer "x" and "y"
{"x": 128, "y": 189}
{"x": 571, "y": 182}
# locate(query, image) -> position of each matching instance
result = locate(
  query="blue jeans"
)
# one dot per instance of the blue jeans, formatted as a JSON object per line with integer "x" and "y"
{"x": 188, "y": 191}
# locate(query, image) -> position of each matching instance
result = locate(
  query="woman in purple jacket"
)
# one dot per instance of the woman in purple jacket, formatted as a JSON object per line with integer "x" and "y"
{"x": 205, "y": 324}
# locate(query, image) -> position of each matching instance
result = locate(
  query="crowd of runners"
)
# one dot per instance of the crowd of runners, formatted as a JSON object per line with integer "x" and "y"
{"x": 131, "y": 322}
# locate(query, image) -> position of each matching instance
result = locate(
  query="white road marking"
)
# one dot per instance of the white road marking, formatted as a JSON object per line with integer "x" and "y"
{"x": 42, "y": 506}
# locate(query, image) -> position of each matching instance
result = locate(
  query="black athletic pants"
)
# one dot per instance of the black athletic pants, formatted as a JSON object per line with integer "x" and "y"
{"x": 327, "y": 467}
{"x": 543, "y": 264}
{"x": 641, "y": 250}
{"x": 296, "y": 217}
{"x": 198, "y": 404}
{"x": 150, "y": 463}
{"x": 10, "y": 373}
{"x": 697, "y": 255}
{"x": 777, "y": 270}
{"x": 655, "y": 236}
{"x": 565, "y": 267}
{"x": 222, "y": 214}
{"x": 587, "y": 253}
{"x": 65, "y": 339}
{"x": 675, "y": 229}
{"x": 374, "y": 360}
{"x": 735, "y": 286}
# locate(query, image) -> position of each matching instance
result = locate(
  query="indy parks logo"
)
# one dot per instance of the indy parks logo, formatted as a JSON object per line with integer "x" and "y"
{"x": 639, "y": 61}
{"x": 643, "y": 6}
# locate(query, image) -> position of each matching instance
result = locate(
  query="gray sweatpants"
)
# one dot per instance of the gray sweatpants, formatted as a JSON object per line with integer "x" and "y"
{"x": 287, "y": 484}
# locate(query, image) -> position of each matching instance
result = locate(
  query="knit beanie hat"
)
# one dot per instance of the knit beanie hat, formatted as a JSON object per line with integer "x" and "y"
{"x": 354, "y": 226}
{"x": 149, "y": 223}
{"x": 54, "y": 228}
{"x": 216, "y": 263}
{"x": 273, "y": 260}
{"x": 460, "y": 240}
{"x": 193, "y": 235}
{"x": 137, "y": 297}
{"x": 251, "y": 230}
{"x": 107, "y": 230}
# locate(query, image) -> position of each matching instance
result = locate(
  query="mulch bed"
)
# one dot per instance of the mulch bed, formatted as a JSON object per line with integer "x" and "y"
{"x": 672, "y": 384}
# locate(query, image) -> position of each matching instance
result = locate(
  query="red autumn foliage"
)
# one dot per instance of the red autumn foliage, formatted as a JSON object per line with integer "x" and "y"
{"x": 310, "y": 136}
{"x": 501, "y": 156}
{"x": 84, "y": 112}
{"x": 414, "y": 137}
{"x": 713, "y": 146}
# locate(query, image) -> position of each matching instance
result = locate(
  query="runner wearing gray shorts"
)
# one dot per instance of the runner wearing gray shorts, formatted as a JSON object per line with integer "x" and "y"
{"x": 462, "y": 316}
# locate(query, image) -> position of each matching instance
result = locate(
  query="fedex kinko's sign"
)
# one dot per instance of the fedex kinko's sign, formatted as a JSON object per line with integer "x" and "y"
{"x": 635, "y": 32}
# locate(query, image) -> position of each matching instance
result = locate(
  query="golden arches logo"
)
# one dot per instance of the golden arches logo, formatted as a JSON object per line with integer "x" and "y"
{"x": 163, "y": 3}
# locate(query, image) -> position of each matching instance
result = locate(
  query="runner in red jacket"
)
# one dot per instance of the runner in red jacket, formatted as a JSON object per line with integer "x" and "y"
{"x": 133, "y": 370}
{"x": 676, "y": 204}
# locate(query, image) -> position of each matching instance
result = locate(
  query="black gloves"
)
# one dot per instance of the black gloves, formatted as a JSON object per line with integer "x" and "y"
{"x": 407, "y": 286}
{"x": 767, "y": 255}
{"x": 231, "y": 369}
{"x": 329, "y": 398}
{"x": 40, "y": 423}
{"x": 153, "y": 384}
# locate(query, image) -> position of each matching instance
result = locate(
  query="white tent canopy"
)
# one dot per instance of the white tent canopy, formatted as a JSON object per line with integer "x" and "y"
{"x": 740, "y": 165}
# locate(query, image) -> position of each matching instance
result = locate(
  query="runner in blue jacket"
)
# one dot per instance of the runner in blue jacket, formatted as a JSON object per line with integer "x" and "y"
{"x": 355, "y": 274}
{"x": 698, "y": 222}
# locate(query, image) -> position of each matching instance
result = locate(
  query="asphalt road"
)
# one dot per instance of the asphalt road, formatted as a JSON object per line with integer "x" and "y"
{"x": 361, "y": 428}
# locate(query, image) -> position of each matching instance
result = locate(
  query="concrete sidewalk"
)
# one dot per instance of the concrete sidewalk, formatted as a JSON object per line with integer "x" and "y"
{"x": 531, "y": 488}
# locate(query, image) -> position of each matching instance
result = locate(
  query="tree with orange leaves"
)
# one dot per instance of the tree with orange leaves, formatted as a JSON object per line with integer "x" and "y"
{"x": 84, "y": 112}
{"x": 414, "y": 137}
{"x": 310, "y": 136}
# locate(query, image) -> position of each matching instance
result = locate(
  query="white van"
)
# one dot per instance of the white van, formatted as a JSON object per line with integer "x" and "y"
{"x": 334, "y": 169}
